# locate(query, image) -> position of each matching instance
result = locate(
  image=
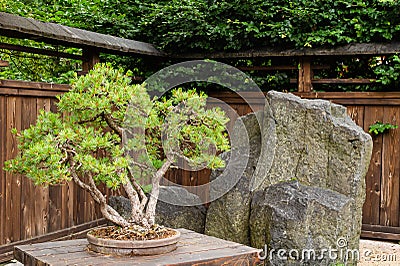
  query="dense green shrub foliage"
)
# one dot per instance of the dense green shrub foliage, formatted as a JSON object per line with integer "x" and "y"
{"x": 211, "y": 25}
{"x": 237, "y": 24}
{"x": 225, "y": 25}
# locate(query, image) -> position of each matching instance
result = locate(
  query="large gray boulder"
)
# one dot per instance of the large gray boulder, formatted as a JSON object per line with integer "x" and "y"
{"x": 228, "y": 216}
{"x": 303, "y": 221}
{"x": 311, "y": 141}
{"x": 191, "y": 214}
{"x": 317, "y": 144}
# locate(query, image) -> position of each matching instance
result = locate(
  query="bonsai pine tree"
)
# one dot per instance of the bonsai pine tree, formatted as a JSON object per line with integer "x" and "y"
{"x": 109, "y": 131}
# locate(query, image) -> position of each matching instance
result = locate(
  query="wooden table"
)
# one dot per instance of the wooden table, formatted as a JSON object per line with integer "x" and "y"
{"x": 193, "y": 249}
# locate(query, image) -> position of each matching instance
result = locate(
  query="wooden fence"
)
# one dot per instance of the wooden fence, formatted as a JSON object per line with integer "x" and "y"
{"x": 27, "y": 211}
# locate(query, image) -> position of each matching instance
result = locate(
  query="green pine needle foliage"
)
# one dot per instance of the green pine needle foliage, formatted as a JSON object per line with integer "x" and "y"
{"x": 86, "y": 135}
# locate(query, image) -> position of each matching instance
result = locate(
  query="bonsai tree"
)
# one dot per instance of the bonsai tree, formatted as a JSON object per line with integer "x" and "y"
{"x": 109, "y": 131}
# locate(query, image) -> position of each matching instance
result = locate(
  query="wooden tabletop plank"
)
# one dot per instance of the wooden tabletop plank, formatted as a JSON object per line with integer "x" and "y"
{"x": 193, "y": 248}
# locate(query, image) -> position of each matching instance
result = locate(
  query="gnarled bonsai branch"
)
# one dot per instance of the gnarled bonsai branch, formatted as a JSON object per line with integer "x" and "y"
{"x": 108, "y": 212}
{"x": 143, "y": 197}
{"x": 112, "y": 124}
{"x": 155, "y": 191}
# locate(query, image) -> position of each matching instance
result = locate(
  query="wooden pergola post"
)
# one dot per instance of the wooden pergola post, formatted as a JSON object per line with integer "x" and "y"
{"x": 4, "y": 63}
{"x": 305, "y": 75}
{"x": 90, "y": 58}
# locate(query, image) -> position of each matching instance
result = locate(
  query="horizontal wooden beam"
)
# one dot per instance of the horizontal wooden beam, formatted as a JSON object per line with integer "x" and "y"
{"x": 266, "y": 68}
{"x": 338, "y": 81}
{"x": 34, "y": 89}
{"x": 33, "y": 85}
{"x": 350, "y": 95}
{"x": 27, "y": 28}
{"x": 345, "y": 98}
{"x": 272, "y": 68}
{"x": 29, "y": 92}
{"x": 380, "y": 235}
{"x": 354, "y": 49}
{"x": 355, "y": 98}
{"x": 381, "y": 228}
{"x": 4, "y": 63}
{"x": 343, "y": 81}
{"x": 33, "y": 50}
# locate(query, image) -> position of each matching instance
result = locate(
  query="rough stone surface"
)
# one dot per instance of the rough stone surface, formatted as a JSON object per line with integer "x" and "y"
{"x": 174, "y": 216}
{"x": 189, "y": 217}
{"x": 291, "y": 216}
{"x": 122, "y": 205}
{"x": 311, "y": 141}
{"x": 228, "y": 216}
{"x": 318, "y": 145}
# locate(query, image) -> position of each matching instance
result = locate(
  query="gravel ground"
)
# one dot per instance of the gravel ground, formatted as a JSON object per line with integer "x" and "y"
{"x": 379, "y": 253}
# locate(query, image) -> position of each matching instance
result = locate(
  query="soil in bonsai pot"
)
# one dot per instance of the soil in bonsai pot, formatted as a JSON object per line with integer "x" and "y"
{"x": 133, "y": 233}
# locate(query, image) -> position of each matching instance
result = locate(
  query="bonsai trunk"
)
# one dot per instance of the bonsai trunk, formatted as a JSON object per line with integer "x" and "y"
{"x": 143, "y": 207}
{"x": 155, "y": 191}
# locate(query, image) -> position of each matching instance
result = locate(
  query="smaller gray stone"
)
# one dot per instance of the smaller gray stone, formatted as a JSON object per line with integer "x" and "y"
{"x": 122, "y": 205}
{"x": 173, "y": 216}
{"x": 177, "y": 216}
{"x": 291, "y": 216}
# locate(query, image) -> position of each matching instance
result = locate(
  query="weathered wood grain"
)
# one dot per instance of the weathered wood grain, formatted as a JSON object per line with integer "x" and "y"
{"x": 390, "y": 170}
{"x": 4, "y": 63}
{"x": 193, "y": 249}
{"x": 304, "y": 83}
{"x": 20, "y": 27}
{"x": 371, "y": 209}
{"x": 13, "y": 181}
{"x": 28, "y": 195}
{"x": 3, "y": 138}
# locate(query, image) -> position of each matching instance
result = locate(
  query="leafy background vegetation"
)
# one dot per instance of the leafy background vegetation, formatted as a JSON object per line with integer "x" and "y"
{"x": 211, "y": 25}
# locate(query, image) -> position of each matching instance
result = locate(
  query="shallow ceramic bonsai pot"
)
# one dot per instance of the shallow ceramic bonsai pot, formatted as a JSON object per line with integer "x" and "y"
{"x": 133, "y": 247}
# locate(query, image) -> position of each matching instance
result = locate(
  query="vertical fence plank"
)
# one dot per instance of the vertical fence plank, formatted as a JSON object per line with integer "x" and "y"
{"x": 371, "y": 209}
{"x": 356, "y": 113}
{"x": 29, "y": 195}
{"x": 8, "y": 149}
{"x": 3, "y": 141}
{"x": 69, "y": 198}
{"x": 80, "y": 204}
{"x": 390, "y": 170}
{"x": 13, "y": 181}
{"x": 89, "y": 208}
{"x": 42, "y": 204}
{"x": 50, "y": 218}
